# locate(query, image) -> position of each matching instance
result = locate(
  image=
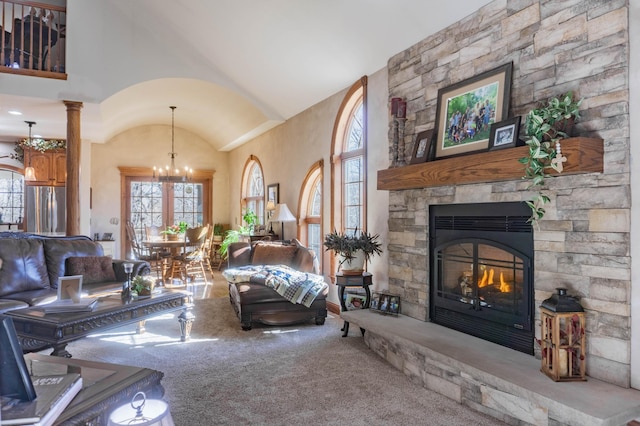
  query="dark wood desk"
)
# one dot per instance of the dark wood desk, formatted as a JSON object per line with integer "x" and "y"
{"x": 104, "y": 388}
{"x": 36, "y": 329}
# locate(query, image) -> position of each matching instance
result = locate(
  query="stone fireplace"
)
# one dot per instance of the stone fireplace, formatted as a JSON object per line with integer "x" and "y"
{"x": 583, "y": 241}
{"x": 481, "y": 280}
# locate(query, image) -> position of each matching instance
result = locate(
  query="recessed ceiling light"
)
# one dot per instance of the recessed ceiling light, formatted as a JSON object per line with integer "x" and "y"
{"x": 13, "y": 112}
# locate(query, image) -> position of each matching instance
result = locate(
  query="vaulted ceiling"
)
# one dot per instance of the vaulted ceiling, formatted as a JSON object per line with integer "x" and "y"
{"x": 234, "y": 69}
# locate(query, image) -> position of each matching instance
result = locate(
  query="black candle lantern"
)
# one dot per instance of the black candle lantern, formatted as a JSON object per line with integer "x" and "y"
{"x": 563, "y": 337}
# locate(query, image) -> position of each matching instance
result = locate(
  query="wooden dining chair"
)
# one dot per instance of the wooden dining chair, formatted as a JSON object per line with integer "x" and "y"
{"x": 191, "y": 261}
{"x": 159, "y": 255}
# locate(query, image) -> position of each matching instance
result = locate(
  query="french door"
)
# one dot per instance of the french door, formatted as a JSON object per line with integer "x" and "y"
{"x": 148, "y": 202}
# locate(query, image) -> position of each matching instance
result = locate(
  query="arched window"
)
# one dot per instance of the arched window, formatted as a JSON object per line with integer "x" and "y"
{"x": 349, "y": 161}
{"x": 11, "y": 196}
{"x": 310, "y": 211}
{"x": 253, "y": 189}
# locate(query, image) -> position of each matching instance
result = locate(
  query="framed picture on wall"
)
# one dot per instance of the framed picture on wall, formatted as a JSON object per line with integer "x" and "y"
{"x": 273, "y": 193}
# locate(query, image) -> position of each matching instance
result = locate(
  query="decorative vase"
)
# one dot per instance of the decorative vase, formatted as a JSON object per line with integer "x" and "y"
{"x": 353, "y": 266}
{"x": 172, "y": 237}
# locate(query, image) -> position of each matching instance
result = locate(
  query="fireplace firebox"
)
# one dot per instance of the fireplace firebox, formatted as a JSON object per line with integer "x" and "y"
{"x": 481, "y": 263}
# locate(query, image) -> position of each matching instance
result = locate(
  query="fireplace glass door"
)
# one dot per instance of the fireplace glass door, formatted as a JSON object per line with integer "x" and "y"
{"x": 483, "y": 279}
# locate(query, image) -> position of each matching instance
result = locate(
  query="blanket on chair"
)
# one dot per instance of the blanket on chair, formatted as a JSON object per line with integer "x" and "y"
{"x": 295, "y": 286}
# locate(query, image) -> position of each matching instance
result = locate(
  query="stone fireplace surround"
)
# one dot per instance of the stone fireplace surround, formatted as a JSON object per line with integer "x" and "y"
{"x": 582, "y": 244}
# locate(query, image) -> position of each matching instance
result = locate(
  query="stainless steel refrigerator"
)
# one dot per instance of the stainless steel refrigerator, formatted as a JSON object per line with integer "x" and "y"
{"x": 46, "y": 209}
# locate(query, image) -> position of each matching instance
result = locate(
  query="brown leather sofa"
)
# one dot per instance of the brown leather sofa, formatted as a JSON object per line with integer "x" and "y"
{"x": 255, "y": 302}
{"x": 30, "y": 265}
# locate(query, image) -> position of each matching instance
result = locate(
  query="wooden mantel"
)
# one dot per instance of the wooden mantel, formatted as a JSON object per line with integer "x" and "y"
{"x": 584, "y": 155}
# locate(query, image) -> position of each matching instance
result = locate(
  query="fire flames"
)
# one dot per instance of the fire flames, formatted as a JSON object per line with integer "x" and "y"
{"x": 487, "y": 279}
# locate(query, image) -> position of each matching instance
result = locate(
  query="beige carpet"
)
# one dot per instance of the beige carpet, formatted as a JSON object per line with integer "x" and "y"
{"x": 271, "y": 375}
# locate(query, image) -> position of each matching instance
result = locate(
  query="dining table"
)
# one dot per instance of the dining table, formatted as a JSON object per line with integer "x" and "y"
{"x": 155, "y": 245}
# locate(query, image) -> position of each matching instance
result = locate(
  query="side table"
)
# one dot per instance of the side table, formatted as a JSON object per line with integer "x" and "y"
{"x": 343, "y": 281}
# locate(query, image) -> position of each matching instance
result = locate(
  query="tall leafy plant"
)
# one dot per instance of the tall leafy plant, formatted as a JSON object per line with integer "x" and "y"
{"x": 544, "y": 127}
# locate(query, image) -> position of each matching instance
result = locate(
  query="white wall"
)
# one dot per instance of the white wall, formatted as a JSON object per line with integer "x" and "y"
{"x": 145, "y": 147}
{"x": 288, "y": 151}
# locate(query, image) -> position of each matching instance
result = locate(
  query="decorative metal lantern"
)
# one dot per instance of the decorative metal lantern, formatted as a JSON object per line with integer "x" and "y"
{"x": 563, "y": 338}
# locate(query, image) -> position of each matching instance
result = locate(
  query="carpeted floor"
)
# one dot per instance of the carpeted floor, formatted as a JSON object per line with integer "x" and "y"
{"x": 271, "y": 375}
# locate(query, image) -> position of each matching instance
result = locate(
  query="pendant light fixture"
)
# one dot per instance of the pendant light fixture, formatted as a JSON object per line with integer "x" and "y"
{"x": 171, "y": 173}
{"x": 30, "y": 172}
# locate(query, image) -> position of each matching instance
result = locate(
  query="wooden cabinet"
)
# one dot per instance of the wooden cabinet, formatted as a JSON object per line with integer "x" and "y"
{"x": 50, "y": 167}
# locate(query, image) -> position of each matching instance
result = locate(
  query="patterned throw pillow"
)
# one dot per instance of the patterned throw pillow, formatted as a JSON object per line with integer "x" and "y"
{"x": 94, "y": 269}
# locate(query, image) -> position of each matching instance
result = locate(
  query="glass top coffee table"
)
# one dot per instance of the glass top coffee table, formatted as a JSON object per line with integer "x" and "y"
{"x": 37, "y": 330}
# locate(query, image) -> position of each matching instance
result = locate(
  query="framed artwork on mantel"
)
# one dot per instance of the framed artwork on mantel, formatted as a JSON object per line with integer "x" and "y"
{"x": 467, "y": 109}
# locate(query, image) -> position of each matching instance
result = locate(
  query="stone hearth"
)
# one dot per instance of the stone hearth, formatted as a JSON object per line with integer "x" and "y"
{"x": 489, "y": 378}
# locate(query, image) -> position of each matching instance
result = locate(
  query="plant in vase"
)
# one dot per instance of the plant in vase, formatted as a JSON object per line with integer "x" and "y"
{"x": 352, "y": 249}
{"x": 546, "y": 126}
{"x": 141, "y": 286}
{"x": 250, "y": 218}
{"x": 173, "y": 231}
{"x": 232, "y": 236}
{"x": 218, "y": 232}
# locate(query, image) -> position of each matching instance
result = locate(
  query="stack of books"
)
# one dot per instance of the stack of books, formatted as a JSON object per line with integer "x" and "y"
{"x": 68, "y": 305}
{"x": 53, "y": 395}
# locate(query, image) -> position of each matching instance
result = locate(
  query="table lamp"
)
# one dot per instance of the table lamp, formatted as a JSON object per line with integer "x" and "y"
{"x": 271, "y": 206}
{"x": 143, "y": 411}
{"x": 282, "y": 214}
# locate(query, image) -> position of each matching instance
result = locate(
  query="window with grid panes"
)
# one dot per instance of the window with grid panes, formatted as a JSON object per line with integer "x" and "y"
{"x": 352, "y": 173}
{"x": 11, "y": 196}
{"x": 254, "y": 199}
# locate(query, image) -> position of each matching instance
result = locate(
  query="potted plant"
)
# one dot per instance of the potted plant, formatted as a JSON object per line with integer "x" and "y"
{"x": 232, "y": 236}
{"x": 173, "y": 231}
{"x": 352, "y": 249}
{"x": 218, "y": 232}
{"x": 545, "y": 126}
{"x": 141, "y": 286}
{"x": 250, "y": 218}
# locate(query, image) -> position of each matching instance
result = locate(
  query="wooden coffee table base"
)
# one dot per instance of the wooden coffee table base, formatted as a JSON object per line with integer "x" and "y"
{"x": 37, "y": 331}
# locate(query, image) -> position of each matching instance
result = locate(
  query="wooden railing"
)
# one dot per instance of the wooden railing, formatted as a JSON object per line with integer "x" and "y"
{"x": 32, "y": 36}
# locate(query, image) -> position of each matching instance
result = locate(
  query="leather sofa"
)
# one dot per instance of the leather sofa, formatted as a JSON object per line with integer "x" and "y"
{"x": 30, "y": 265}
{"x": 255, "y": 302}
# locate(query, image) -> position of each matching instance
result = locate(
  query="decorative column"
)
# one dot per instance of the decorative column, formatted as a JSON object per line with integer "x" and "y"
{"x": 73, "y": 167}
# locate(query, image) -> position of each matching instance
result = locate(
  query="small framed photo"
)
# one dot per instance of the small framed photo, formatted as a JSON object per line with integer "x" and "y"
{"x": 504, "y": 134}
{"x": 421, "y": 147}
{"x": 394, "y": 304}
{"x": 107, "y": 236}
{"x": 355, "y": 301}
{"x": 385, "y": 303}
{"x": 70, "y": 287}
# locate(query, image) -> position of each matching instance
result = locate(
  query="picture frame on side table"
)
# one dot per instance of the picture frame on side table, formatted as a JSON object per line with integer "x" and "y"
{"x": 421, "y": 147}
{"x": 466, "y": 110}
{"x": 504, "y": 134}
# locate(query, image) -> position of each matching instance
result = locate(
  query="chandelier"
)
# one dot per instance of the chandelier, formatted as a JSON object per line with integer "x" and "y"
{"x": 170, "y": 173}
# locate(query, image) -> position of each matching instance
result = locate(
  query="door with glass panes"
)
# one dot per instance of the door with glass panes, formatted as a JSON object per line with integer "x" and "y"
{"x": 153, "y": 203}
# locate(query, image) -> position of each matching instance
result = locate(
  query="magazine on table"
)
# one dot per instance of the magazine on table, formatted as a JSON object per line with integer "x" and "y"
{"x": 53, "y": 394}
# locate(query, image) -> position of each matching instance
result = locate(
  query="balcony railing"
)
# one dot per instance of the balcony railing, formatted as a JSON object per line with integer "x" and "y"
{"x": 32, "y": 35}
